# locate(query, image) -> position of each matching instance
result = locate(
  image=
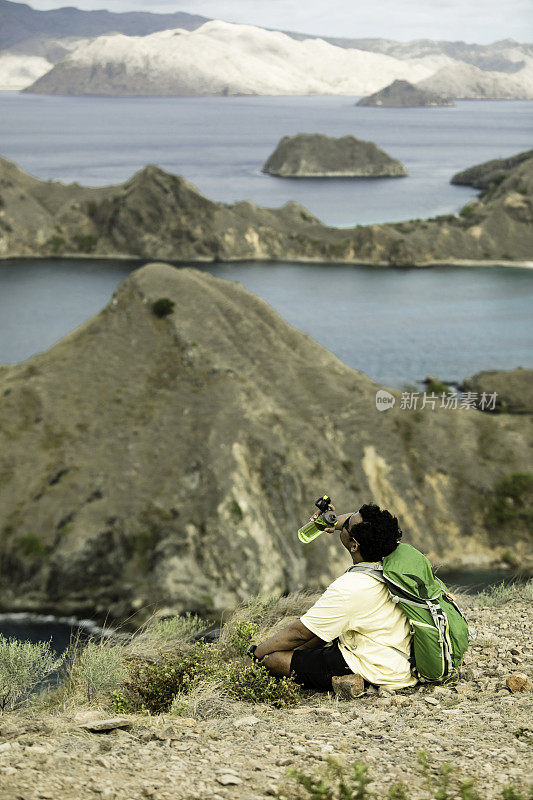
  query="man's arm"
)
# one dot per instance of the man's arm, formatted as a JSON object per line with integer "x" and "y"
{"x": 293, "y": 636}
{"x": 312, "y": 644}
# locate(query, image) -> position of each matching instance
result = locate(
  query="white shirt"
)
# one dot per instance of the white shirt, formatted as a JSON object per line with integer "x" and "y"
{"x": 371, "y": 628}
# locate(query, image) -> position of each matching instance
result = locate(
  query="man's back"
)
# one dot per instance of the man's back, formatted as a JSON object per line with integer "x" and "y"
{"x": 371, "y": 629}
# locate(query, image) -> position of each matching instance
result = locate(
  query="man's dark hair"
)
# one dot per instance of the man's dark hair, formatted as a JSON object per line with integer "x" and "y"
{"x": 378, "y": 534}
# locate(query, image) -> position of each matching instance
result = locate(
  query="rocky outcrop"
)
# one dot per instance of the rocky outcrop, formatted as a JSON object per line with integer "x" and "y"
{"x": 402, "y": 94}
{"x": 158, "y": 215}
{"x": 169, "y": 461}
{"x": 490, "y": 173}
{"x": 513, "y": 389}
{"x": 313, "y": 155}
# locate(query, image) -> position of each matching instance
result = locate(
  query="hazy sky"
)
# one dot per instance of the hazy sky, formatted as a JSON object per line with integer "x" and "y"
{"x": 480, "y": 21}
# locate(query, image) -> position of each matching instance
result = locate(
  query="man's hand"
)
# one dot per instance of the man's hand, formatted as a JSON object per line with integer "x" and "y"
{"x": 317, "y": 514}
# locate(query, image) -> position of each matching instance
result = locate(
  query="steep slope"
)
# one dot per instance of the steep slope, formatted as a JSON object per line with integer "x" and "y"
{"x": 158, "y": 215}
{"x": 313, "y": 155}
{"x": 402, "y": 94}
{"x": 170, "y": 461}
{"x": 221, "y": 58}
{"x": 466, "y": 82}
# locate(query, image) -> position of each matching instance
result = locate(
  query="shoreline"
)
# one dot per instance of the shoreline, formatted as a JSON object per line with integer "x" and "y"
{"x": 268, "y": 262}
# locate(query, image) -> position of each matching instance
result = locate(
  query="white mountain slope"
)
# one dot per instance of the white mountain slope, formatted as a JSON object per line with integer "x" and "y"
{"x": 223, "y": 58}
{"x": 18, "y": 71}
{"x": 464, "y": 81}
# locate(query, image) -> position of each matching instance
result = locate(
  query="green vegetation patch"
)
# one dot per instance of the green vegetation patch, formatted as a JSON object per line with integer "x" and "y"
{"x": 512, "y": 504}
{"x": 163, "y": 307}
{"x": 31, "y": 546}
{"x": 338, "y": 781}
{"x": 85, "y": 242}
{"x": 55, "y": 243}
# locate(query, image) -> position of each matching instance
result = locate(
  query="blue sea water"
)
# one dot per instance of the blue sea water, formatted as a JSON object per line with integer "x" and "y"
{"x": 221, "y": 143}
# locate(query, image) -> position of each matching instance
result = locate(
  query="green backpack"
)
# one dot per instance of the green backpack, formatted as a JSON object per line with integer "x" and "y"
{"x": 440, "y": 631}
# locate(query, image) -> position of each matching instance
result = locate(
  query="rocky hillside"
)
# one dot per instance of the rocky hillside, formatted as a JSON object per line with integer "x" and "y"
{"x": 402, "y": 94}
{"x": 313, "y": 155}
{"x": 467, "y": 82}
{"x": 490, "y": 173}
{"x": 156, "y": 215}
{"x": 513, "y": 387}
{"x": 170, "y": 460}
{"x": 223, "y": 58}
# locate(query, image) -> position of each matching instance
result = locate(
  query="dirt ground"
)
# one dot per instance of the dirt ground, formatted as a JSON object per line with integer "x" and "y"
{"x": 234, "y": 750}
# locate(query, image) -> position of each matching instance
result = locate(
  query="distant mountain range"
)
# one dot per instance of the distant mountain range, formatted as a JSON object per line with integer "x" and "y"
{"x": 20, "y": 24}
{"x": 98, "y": 52}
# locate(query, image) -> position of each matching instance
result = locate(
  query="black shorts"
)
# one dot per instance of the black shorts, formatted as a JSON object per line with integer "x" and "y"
{"x": 314, "y": 669}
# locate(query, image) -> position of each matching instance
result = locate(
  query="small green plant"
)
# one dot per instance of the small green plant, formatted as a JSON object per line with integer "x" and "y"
{"x": 242, "y": 635}
{"x": 163, "y": 307}
{"x": 236, "y": 511}
{"x": 31, "y": 546}
{"x": 23, "y": 666}
{"x": 339, "y": 782}
{"x": 468, "y": 211}
{"x": 498, "y": 594}
{"x": 436, "y": 386}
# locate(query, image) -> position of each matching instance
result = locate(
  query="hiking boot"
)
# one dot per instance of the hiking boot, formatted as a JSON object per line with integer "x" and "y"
{"x": 348, "y": 687}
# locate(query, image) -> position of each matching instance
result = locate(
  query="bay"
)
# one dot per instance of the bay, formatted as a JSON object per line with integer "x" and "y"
{"x": 220, "y": 144}
{"x": 395, "y": 325}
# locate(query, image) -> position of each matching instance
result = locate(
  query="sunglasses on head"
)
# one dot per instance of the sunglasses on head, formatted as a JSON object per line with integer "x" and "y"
{"x": 346, "y": 525}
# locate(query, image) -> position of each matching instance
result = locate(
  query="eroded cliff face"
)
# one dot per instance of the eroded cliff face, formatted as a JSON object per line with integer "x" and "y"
{"x": 156, "y": 215}
{"x": 168, "y": 462}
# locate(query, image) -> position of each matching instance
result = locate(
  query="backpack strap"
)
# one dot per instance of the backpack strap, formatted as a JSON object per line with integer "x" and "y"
{"x": 377, "y": 573}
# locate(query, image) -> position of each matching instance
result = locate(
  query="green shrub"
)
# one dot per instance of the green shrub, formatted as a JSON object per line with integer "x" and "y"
{"x": 85, "y": 242}
{"x": 436, "y": 386}
{"x": 23, "y": 665}
{"x": 153, "y": 686}
{"x": 512, "y": 502}
{"x": 163, "y": 307}
{"x": 55, "y": 243}
{"x": 254, "y": 684}
{"x": 98, "y": 668}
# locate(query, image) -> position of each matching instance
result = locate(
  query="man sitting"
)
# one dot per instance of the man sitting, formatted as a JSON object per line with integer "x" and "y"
{"x": 369, "y": 635}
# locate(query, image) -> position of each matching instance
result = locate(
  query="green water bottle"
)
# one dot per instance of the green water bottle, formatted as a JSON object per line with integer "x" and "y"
{"x": 326, "y": 519}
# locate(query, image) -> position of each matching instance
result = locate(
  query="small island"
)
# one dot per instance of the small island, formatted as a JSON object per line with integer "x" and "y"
{"x": 402, "y": 94}
{"x": 313, "y": 155}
